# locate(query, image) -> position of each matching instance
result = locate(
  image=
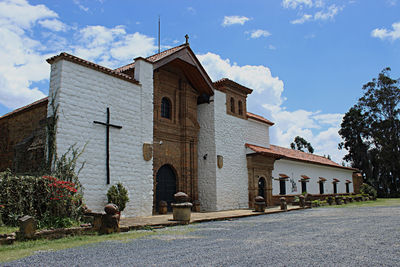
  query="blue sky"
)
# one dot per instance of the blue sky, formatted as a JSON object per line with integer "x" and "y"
{"x": 305, "y": 59}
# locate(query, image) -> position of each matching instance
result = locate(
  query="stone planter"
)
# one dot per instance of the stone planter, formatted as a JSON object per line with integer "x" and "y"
{"x": 162, "y": 207}
{"x": 259, "y": 204}
{"x": 110, "y": 220}
{"x": 182, "y": 209}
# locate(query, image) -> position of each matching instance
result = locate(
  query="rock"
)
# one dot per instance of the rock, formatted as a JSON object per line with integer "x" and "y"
{"x": 163, "y": 207}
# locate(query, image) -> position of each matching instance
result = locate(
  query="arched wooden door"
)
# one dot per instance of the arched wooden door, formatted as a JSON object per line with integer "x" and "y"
{"x": 261, "y": 187}
{"x": 166, "y": 185}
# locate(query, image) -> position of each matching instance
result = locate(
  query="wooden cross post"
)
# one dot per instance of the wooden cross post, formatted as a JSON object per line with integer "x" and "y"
{"x": 108, "y": 125}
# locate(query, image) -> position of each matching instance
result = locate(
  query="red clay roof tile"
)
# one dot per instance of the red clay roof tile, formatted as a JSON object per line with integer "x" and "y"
{"x": 291, "y": 154}
{"x": 259, "y": 118}
{"x": 27, "y": 107}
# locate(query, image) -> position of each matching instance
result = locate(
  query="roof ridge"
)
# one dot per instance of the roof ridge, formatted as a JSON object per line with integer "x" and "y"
{"x": 17, "y": 110}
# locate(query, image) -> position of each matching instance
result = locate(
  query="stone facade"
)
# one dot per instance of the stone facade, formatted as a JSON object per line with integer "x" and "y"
{"x": 23, "y": 137}
{"x": 175, "y": 138}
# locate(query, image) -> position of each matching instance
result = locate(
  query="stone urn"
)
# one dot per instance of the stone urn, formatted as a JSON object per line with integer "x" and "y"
{"x": 302, "y": 201}
{"x": 163, "y": 207}
{"x": 259, "y": 204}
{"x": 110, "y": 220}
{"x": 283, "y": 203}
{"x": 181, "y": 210}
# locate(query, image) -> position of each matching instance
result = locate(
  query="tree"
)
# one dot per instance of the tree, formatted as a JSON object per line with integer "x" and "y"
{"x": 300, "y": 144}
{"x": 371, "y": 134}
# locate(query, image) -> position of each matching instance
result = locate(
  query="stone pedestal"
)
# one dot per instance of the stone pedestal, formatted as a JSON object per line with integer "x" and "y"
{"x": 27, "y": 227}
{"x": 259, "y": 204}
{"x": 283, "y": 203}
{"x": 110, "y": 220}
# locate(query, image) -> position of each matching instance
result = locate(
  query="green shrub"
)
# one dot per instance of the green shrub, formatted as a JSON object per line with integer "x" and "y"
{"x": 366, "y": 189}
{"x": 118, "y": 195}
{"x": 38, "y": 196}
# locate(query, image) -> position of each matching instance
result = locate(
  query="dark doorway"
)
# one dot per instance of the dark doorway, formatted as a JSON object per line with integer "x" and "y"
{"x": 282, "y": 185}
{"x": 347, "y": 188}
{"x": 166, "y": 185}
{"x": 303, "y": 187}
{"x": 261, "y": 187}
{"x": 321, "y": 188}
{"x": 335, "y": 188}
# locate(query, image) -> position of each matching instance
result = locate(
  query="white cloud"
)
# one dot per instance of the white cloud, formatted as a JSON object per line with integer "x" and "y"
{"x": 112, "y": 47}
{"x": 53, "y": 24}
{"x": 304, "y": 18}
{"x": 393, "y": 34}
{"x": 320, "y": 129}
{"x": 259, "y": 33}
{"x": 296, "y": 3}
{"x": 22, "y": 59}
{"x": 271, "y": 47}
{"x": 332, "y": 11}
{"x": 231, "y": 20}
{"x": 81, "y": 7}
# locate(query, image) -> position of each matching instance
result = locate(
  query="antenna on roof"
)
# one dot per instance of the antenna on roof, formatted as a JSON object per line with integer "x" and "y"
{"x": 159, "y": 35}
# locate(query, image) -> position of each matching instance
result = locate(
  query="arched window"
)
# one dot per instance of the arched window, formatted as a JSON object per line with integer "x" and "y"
{"x": 232, "y": 105}
{"x": 240, "y": 107}
{"x": 166, "y": 108}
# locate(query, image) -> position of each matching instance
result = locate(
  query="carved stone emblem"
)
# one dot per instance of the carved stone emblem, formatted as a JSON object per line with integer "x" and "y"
{"x": 147, "y": 151}
{"x": 220, "y": 161}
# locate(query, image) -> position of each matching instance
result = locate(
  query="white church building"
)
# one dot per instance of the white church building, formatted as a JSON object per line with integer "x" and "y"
{"x": 160, "y": 125}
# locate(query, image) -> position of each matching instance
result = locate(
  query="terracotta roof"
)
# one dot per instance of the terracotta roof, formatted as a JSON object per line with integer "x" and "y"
{"x": 25, "y": 108}
{"x": 305, "y": 177}
{"x": 91, "y": 65}
{"x": 154, "y": 58}
{"x": 282, "y": 175}
{"x": 322, "y": 179}
{"x": 348, "y": 182}
{"x": 259, "y": 118}
{"x": 291, "y": 154}
{"x": 229, "y": 83}
{"x": 336, "y": 180}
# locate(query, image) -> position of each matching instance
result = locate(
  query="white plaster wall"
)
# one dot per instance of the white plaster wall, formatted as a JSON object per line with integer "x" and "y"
{"x": 83, "y": 94}
{"x": 230, "y": 136}
{"x": 258, "y": 133}
{"x": 207, "y": 183}
{"x": 295, "y": 169}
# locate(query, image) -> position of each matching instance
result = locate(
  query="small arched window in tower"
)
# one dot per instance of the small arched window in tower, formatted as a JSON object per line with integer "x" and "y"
{"x": 166, "y": 108}
{"x": 240, "y": 107}
{"x": 232, "y": 105}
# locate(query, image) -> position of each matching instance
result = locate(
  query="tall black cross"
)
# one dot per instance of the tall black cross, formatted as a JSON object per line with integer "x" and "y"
{"x": 108, "y": 125}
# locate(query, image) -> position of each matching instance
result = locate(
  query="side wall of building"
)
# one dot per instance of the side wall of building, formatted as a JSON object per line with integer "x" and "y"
{"x": 25, "y": 129}
{"x": 294, "y": 169}
{"x": 232, "y": 178}
{"x": 207, "y": 158}
{"x": 83, "y": 95}
{"x": 257, "y": 133}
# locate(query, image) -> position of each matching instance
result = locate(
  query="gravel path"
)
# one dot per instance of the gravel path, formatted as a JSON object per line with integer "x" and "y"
{"x": 367, "y": 236}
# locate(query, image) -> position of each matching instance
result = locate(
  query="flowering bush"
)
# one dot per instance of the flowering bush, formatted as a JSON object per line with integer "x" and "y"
{"x": 46, "y": 198}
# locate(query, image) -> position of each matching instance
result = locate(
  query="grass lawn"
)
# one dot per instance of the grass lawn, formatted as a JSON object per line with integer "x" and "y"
{"x": 23, "y": 249}
{"x": 380, "y": 202}
{"x": 8, "y": 229}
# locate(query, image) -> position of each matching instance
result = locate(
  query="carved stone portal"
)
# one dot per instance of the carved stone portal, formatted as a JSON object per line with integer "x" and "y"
{"x": 147, "y": 151}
